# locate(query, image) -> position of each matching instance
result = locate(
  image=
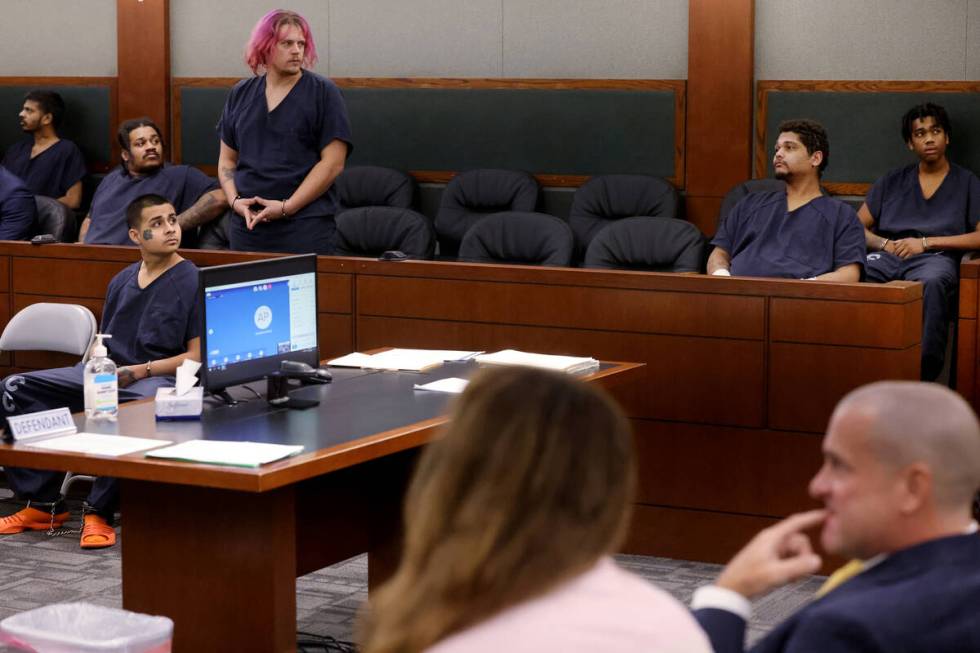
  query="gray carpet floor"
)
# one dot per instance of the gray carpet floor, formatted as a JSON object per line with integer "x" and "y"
{"x": 37, "y": 569}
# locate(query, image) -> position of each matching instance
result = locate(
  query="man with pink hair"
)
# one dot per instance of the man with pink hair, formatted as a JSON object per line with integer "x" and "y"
{"x": 284, "y": 138}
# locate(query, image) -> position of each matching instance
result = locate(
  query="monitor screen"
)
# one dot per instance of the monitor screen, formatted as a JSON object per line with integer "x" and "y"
{"x": 257, "y": 315}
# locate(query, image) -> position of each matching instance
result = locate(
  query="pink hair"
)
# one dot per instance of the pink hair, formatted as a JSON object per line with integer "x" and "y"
{"x": 266, "y": 33}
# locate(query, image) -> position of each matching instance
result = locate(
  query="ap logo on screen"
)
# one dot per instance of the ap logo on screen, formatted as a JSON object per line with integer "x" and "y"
{"x": 263, "y": 317}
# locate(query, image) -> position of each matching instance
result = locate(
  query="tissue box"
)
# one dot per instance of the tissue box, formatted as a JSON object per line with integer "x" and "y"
{"x": 171, "y": 406}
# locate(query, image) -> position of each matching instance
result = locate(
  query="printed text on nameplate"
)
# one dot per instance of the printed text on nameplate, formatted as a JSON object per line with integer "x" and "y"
{"x": 41, "y": 424}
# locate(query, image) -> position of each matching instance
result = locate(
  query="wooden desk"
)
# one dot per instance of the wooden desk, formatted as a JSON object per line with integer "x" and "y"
{"x": 218, "y": 549}
{"x": 968, "y": 335}
{"x": 742, "y": 373}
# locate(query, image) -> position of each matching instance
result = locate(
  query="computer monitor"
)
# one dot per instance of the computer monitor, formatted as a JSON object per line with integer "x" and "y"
{"x": 256, "y": 315}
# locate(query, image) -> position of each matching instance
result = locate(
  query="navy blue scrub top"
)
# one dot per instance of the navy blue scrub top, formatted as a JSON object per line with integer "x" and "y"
{"x": 154, "y": 322}
{"x": 17, "y": 207}
{"x": 52, "y": 172}
{"x": 182, "y": 185}
{"x": 764, "y": 239}
{"x": 277, "y": 149}
{"x": 900, "y": 210}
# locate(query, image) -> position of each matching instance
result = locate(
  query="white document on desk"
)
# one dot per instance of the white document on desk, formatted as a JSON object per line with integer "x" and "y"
{"x": 569, "y": 364}
{"x": 452, "y": 385}
{"x": 220, "y": 452}
{"x": 411, "y": 360}
{"x": 98, "y": 444}
{"x": 356, "y": 359}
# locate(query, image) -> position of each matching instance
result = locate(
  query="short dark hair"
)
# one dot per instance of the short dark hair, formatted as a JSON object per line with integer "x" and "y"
{"x": 134, "y": 212}
{"x": 135, "y": 123}
{"x": 925, "y": 110}
{"x": 812, "y": 135}
{"x": 48, "y": 102}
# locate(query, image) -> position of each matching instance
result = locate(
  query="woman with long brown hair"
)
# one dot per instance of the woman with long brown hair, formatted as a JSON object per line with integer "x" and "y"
{"x": 510, "y": 521}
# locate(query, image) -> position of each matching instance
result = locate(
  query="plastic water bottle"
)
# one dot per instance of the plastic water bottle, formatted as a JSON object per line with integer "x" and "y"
{"x": 101, "y": 384}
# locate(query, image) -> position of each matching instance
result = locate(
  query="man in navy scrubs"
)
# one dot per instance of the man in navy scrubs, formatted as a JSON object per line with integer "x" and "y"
{"x": 796, "y": 234}
{"x": 151, "y": 313}
{"x": 48, "y": 165}
{"x": 918, "y": 219}
{"x": 284, "y": 139}
{"x": 196, "y": 196}
{"x": 17, "y": 207}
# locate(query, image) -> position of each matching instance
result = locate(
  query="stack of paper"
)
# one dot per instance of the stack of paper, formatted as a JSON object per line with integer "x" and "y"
{"x": 569, "y": 364}
{"x": 98, "y": 444}
{"x": 413, "y": 360}
{"x": 218, "y": 452}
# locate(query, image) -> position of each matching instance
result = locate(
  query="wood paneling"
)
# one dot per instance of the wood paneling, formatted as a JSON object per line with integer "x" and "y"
{"x": 334, "y": 293}
{"x": 968, "y": 297}
{"x": 703, "y": 380}
{"x": 846, "y": 323}
{"x": 966, "y": 360}
{"x": 708, "y": 467}
{"x": 690, "y": 534}
{"x": 806, "y": 381}
{"x": 75, "y": 278}
{"x": 335, "y": 335}
{"x": 143, "y": 50}
{"x": 558, "y": 306}
{"x": 719, "y": 100}
{"x": 257, "y": 539}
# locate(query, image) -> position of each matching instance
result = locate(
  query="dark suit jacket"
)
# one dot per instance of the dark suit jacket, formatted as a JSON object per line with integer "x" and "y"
{"x": 923, "y": 599}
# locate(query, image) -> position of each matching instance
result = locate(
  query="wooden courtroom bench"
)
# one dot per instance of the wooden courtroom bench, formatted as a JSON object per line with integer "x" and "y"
{"x": 742, "y": 374}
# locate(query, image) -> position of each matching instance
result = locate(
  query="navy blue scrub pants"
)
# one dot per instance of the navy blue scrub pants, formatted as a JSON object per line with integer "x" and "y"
{"x": 312, "y": 235}
{"x": 47, "y": 389}
{"x": 938, "y": 274}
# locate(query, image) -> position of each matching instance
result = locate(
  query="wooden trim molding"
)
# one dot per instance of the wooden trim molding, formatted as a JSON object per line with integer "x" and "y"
{"x": 720, "y": 68}
{"x": 677, "y": 86}
{"x": 765, "y": 87}
{"x": 143, "y": 53}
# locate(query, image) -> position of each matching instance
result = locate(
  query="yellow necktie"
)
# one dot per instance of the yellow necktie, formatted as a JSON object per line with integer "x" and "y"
{"x": 841, "y": 576}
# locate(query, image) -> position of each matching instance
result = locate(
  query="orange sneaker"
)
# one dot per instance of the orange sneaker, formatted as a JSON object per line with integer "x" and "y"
{"x": 31, "y": 519}
{"x": 97, "y": 533}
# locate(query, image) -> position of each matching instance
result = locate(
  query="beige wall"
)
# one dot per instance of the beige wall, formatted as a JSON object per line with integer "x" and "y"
{"x": 443, "y": 38}
{"x": 868, "y": 39}
{"x": 58, "y": 38}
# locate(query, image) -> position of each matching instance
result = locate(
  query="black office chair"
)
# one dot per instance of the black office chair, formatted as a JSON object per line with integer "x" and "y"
{"x": 373, "y": 230}
{"x": 648, "y": 243}
{"x": 54, "y": 218}
{"x": 613, "y": 197}
{"x": 374, "y": 186}
{"x": 214, "y": 234}
{"x": 472, "y": 195}
{"x": 518, "y": 237}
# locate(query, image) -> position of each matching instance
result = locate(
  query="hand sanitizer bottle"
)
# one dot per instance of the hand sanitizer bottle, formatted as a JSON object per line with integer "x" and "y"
{"x": 101, "y": 384}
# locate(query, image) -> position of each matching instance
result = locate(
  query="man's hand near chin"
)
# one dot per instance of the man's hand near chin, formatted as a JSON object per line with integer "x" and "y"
{"x": 777, "y": 555}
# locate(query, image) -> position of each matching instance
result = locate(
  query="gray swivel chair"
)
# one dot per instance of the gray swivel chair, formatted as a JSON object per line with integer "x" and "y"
{"x": 67, "y": 328}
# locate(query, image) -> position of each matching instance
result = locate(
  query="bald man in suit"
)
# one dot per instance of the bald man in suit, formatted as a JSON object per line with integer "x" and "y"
{"x": 901, "y": 469}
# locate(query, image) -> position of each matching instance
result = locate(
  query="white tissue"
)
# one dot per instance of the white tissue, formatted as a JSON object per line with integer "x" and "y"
{"x": 187, "y": 376}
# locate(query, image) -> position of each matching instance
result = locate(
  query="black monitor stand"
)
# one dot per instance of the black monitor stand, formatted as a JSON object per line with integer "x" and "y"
{"x": 223, "y": 396}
